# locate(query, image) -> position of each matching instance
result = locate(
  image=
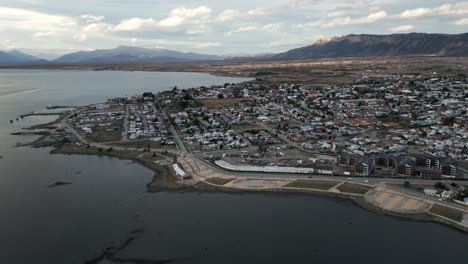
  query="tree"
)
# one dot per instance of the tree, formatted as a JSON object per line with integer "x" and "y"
{"x": 220, "y": 96}
{"x": 423, "y": 133}
{"x": 439, "y": 185}
{"x": 407, "y": 184}
{"x": 449, "y": 121}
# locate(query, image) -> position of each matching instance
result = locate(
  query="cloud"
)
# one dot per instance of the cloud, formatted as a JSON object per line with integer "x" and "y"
{"x": 414, "y": 13}
{"x": 257, "y": 12}
{"x": 136, "y": 24}
{"x": 97, "y": 27}
{"x": 273, "y": 26}
{"x": 404, "y": 28}
{"x": 462, "y": 22}
{"x": 336, "y": 13}
{"x": 229, "y": 14}
{"x": 43, "y": 34}
{"x": 201, "y": 11}
{"x": 205, "y": 45}
{"x": 459, "y": 8}
{"x": 246, "y": 28}
{"x": 178, "y": 17}
{"x": 32, "y": 20}
{"x": 171, "y": 22}
{"x": 343, "y": 21}
{"x": 80, "y": 37}
{"x": 91, "y": 18}
{"x": 374, "y": 17}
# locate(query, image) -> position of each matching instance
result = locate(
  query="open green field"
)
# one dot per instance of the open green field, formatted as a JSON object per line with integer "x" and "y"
{"x": 153, "y": 157}
{"x": 84, "y": 149}
{"x": 311, "y": 184}
{"x": 106, "y": 133}
{"x": 353, "y": 188}
{"x": 104, "y": 137}
{"x": 138, "y": 144}
{"x": 225, "y": 102}
{"x": 219, "y": 181}
{"x": 447, "y": 212}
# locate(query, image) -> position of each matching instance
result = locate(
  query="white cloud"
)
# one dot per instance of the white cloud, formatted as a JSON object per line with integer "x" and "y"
{"x": 136, "y": 24}
{"x": 32, "y": 20}
{"x": 404, "y": 28}
{"x": 342, "y": 21}
{"x": 42, "y": 34}
{"x": 414, "y": 13}
{"x": 229, "y": 14}
{"x": 241, "y": 29}
{"x": 201, "y": 11}
{"x": 80, "y": 37}
{"x": 336, "y": 13}
{"x": 178, "y": 17}
{"x": 171, "y": 22}
{"x": 462, "y": 22}
{"x": 257, "y": 12}
{"x": 274, "y": 26}
{"x": 374, "y": 17}
{"x": 91, "y": 18}
{"x": 97, "y": 27}
{"x": 459, "y": 8}
{"x": 205, "y": 45}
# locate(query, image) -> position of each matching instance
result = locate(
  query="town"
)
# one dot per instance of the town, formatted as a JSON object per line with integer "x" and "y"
{"x": 381, "y": 126}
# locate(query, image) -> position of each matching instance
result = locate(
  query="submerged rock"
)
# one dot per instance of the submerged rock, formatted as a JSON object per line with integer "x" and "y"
{"x": 59, "y": 183}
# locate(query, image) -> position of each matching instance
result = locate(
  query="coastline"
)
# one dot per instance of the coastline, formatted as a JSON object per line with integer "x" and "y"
{"x": 164, "y": 180}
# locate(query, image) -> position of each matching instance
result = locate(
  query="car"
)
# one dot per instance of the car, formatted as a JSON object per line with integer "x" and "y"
{"x": 366, "y": 181}
{"x": 350, "y": 178}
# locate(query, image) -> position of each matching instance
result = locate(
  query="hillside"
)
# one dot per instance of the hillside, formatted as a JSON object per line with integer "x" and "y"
{"x": 382, "y": 45}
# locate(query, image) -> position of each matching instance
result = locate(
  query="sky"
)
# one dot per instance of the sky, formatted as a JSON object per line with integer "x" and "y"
{"x": 49, "y": 28}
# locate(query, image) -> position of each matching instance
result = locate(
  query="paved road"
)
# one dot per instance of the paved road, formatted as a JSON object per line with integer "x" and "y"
{"x": 126, "y": 125}
{"x": 199, "y": 158}
{"x": 70, "y": 129}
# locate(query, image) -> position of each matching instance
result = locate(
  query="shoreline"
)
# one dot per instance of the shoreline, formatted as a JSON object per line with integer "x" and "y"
{"x": 164, "y": 181}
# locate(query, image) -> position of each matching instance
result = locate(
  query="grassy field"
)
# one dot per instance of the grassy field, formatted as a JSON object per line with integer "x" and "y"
{"x": 219, "y": 181}
{"x": 106, "y": 133}
{"x": 104, "y": 137}
{"x": 153, "y": 157}
{"x": 353, "y": 188}
{"x": 447, "y": 212}
{"x": 310, "y": 184}
{"x": 225, "y": 102}
{"x": 138, "y": 144}
{"x": 83, "y": 149}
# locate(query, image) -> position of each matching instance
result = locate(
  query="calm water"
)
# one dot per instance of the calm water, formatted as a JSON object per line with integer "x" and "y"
{"x": 107, "y": 199}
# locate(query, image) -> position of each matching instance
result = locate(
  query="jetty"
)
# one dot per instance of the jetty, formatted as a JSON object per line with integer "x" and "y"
{"x": 44, "y": 114}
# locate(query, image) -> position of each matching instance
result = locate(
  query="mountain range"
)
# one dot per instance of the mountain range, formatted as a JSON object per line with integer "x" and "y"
{"x": 412, "y": 44}
{"x": 382, "y": 45}
{"x": 124, "y": 54}
{"x": 15, "y": 56}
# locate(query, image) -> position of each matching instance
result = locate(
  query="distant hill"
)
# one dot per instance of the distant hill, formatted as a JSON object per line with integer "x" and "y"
{"x": 382, "y": 45}
{"x": 124, "y": 54}
{"x": 15, "y": 56}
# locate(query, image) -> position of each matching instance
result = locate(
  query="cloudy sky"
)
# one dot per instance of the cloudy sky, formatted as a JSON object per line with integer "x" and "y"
{"x": 54, "y": 27}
